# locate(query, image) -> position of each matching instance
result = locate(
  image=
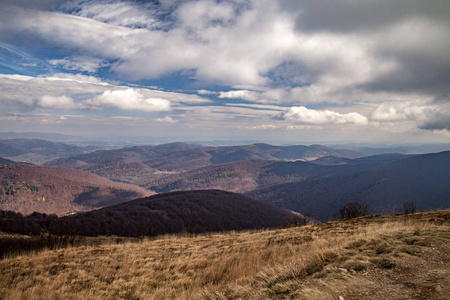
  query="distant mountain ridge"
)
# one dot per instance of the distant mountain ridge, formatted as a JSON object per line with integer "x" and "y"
{"x": 38, "y": 151}
{"x": 5, "y": 161}
{"x": 14, "y": 147}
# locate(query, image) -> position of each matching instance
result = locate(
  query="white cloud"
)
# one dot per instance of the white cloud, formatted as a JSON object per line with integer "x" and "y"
{"x": 402, "y": 111}
{"x": 69, "y": 91}
{"x": 129, "y": 99}
{"x": 79, "y": 63}
{"x": 61, "y": 102}
{"x": 166, "y": 119}
{"x": 302, "y": 114}
{"x": 75, "y": 78}
{"x": 127, "y": 14}
{"x": 206, "y": 92}
{"x": 425, "y": 115}
{"x": 240, "y": 94}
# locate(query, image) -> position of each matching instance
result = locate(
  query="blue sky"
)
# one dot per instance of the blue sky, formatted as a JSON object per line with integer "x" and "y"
{"x": 265, "y": 70}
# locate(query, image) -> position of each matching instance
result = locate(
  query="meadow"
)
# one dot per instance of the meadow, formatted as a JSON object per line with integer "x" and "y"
{"x": 375, "y": 257}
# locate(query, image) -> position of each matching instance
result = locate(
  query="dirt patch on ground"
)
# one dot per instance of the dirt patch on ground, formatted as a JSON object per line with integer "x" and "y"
{"x": 414, "y": 266}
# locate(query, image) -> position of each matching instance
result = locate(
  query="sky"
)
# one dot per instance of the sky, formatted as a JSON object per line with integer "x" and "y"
{"x": 277, "y": 71}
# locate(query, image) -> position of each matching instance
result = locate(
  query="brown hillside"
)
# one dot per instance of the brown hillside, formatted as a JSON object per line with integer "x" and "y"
{"x": 28, "y": 188}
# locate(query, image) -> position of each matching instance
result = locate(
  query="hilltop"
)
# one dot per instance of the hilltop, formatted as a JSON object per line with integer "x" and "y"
{"x": 377, "y": 257}
{"x": 27, "y": 188}
{"x": 178, "y": 212}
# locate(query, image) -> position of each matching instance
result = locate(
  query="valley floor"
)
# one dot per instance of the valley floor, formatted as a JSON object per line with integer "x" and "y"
{"x": 379, "y": 257}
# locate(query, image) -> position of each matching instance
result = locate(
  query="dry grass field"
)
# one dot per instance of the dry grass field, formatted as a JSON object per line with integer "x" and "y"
{"x": 379, "y": 257}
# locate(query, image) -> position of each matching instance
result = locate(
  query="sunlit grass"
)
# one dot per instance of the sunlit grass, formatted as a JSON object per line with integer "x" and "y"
{"x": 247, "y": 265}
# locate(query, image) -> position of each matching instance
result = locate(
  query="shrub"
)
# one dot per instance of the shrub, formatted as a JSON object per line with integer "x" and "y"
{"x": 296, "y": 222}
{"x": 353, "y": 210}
{"x": 409, "y": 207}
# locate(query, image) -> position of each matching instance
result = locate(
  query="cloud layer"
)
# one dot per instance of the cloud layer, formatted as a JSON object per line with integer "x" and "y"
{"x": 306, "y": 63}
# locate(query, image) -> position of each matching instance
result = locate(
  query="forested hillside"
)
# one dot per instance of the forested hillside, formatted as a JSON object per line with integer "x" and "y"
{"x": 423, "y": 180}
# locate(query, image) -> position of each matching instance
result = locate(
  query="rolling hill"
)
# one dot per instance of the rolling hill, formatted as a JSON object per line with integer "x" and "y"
{"x": 178, "y": 212}
{"x": 423, "y": 180}
{"x": 27, "y": 188}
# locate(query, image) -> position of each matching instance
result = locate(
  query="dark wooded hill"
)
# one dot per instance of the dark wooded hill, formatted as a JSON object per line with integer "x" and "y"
{"x": 27, "y": 188}
{"x": 248, "y": 175}
{"x": 178, "y": 212}
{"x": 423, "y": 180}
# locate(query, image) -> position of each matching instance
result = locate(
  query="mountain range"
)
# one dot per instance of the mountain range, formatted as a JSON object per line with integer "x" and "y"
{"x": 313, "y": 180}
{"x": 142, "y": 165}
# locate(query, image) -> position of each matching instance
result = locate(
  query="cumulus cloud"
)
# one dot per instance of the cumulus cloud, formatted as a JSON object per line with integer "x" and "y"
{"x": 129, "y": 99}
{"x": 240, "y": 94}
{"x": 403, "y": 111}
{"x": 437, "y": 119}
{"x": 426, "y": 115}
{"x": 441, "y": 122}
{"x": 393, "y": 112}
{"x": 206, "y": 92}
{"x": 62, "y": 102}
{"x": 304, "y": 115}
{"x": 69, "y": 91}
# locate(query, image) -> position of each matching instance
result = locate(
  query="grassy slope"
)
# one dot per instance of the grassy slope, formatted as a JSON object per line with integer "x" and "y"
{"x": 388, "y": 257}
